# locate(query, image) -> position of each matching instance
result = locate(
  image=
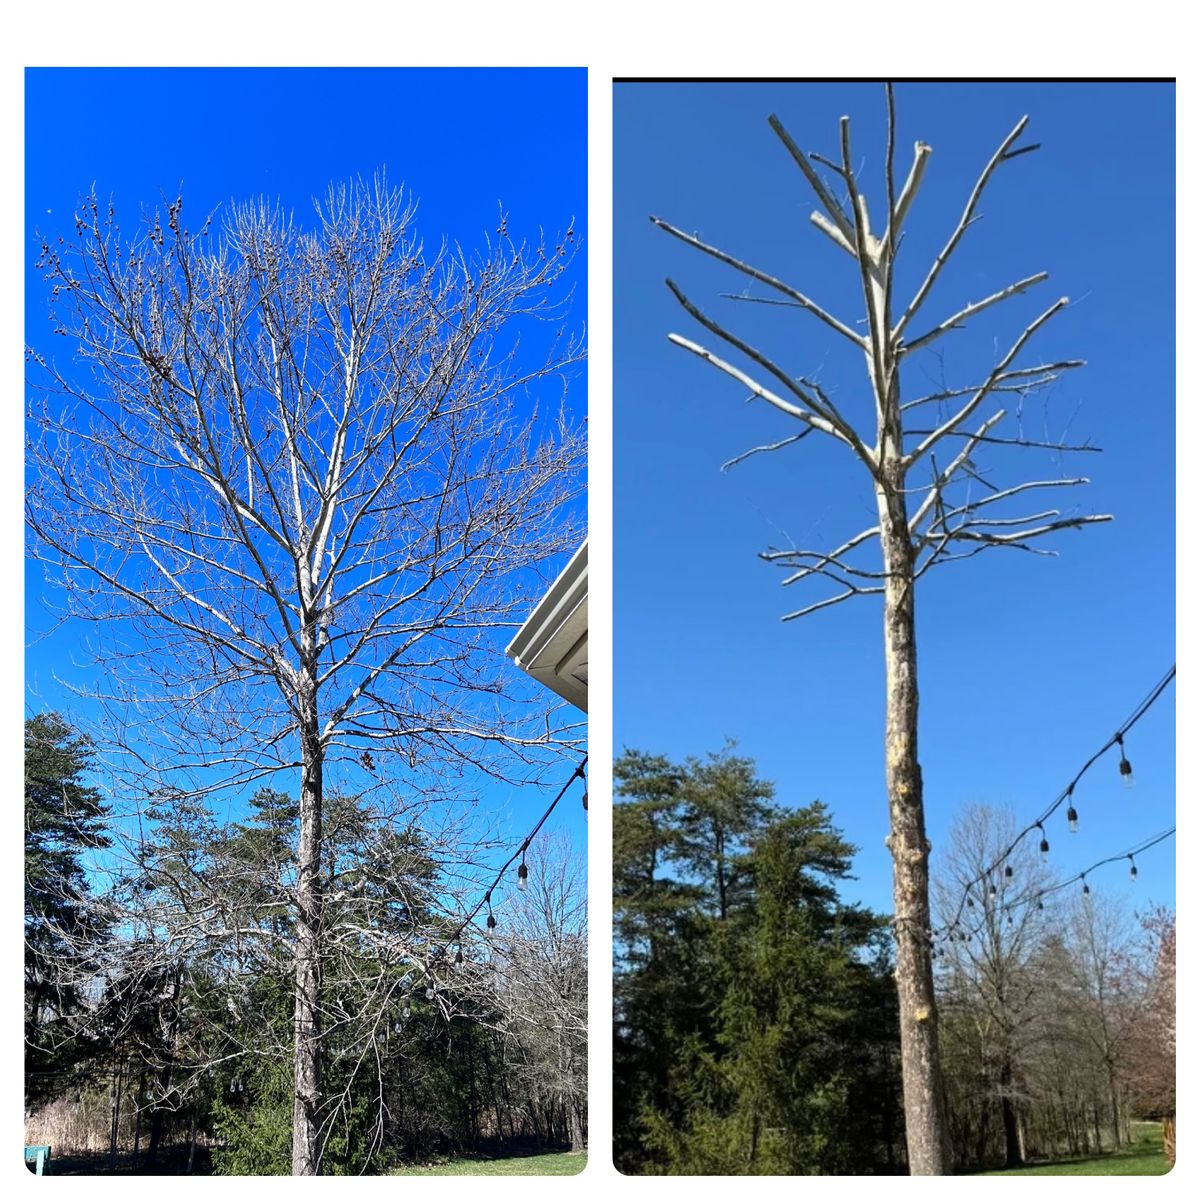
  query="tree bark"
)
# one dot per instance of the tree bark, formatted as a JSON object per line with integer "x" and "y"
{"x": 1008, "y": 1114}
{"x": 306, "y": 1148}
{"x": 924, "y": 1116}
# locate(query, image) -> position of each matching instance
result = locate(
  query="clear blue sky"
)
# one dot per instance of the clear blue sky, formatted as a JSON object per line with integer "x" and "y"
{"x": 1028, "y": 664}
{"x": 461, "y": 141}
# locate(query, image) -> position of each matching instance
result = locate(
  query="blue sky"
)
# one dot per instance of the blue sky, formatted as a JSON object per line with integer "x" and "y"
{"x": 1028, "y": 664}
{"x": 460, "y": 141}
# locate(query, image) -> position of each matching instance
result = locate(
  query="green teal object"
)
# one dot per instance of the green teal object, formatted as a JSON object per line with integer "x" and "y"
{"x": 39, "y": 1155}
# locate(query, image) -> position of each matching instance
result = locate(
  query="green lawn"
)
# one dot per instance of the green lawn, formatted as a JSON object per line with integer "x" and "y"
{"x": 1143, "y": 1157}
{"x": 528, "y": 1164}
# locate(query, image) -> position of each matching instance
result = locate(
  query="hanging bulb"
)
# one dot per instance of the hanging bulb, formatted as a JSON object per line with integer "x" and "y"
{"x": 970, "y": 901}
{"x": 406, "y": 1011}
{"x": 1124, "y": 766}
{"x": 458, "y": 957}
{"x": 429, "y": 992}
{"x": 491, "y": 924}
{"x": 1008, "y": 872}
{"x": 1010, "y": 920}
{"x": 1087, "y": 891}
{"x": 1040, "y": 904}
{"x": 1044, "y": 847}
{"x": 1132, "y": 868}
{"x": 585, "y": 801}
{"x": 522, "y": 877}
{"x": 991, "y": 891}
{"x": 1072, "y": 819}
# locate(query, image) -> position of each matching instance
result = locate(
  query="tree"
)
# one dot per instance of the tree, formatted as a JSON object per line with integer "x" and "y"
{"x": 65, "y": 818}
{"x": 754, "y": 1011}
{"x": 990, "y": 989}
{"x": 918, "y": 526}
{"x": 542, "y": 983}
{"x": 300, "y": 472}
{"x": 1149, "y": 1072}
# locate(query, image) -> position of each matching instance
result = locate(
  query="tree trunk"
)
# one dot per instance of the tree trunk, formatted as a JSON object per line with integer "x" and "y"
{"x": 571, "y": 1104}
{"x": 116, "y": 1118}
{"x": 1008, "y": 1114}
{"x": 306, "y": 1148}
{"x": 924, "y": 1113}
{"x": 137, "y": 1123}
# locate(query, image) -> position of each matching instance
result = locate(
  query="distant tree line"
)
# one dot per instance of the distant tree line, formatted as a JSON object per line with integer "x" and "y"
{"x": 159, "y": 976}
{"x": 1058, "y": 1012}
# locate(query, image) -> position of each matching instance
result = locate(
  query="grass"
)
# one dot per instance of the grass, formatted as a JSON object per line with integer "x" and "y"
{"x": 1143, "y": 1156}
{"x": 527, "y": 1164}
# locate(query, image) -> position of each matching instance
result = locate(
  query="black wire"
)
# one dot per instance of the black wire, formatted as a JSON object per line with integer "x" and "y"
{"x": 1033, "y": 897}
{"x": 438, "y": 952}
{"x": 1065, "y": 795}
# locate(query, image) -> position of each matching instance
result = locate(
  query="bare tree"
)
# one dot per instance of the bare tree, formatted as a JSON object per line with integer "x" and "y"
{"x": 956, "y": 514}
{"x": 299, "y": 479}
{"x": 542, "y": 981}
{"x": 988, "y": 977}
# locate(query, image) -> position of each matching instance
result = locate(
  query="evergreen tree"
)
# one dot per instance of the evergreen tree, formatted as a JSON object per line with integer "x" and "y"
{"x": 64, "y": 823}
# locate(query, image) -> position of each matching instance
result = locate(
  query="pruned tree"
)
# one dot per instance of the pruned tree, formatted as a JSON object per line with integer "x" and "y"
{"x": 300, "y": 480}
{"x": 924, "y": 520}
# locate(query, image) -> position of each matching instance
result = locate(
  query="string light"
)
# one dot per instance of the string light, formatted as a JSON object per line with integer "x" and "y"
{"x": 458, "y": 958}
{"x": 1008, "y": 872}
{"x": 1124, "y": 766}
{"x": 1065, "y": 797}
{"x": 991, "y": 891}
{"x": 1087, "y": 891}
{"x": 585, "y": 807}
{"x": 430, "y": 992}
{"x": 406, "y": 1011}
{"x": 522, "y": 872}
{"x": 1132, "y": 869}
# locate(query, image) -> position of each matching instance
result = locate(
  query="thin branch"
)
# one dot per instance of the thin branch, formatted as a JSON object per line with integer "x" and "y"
{"x": 958, "y": 320}
{"x": 787, "y": 441}
{"x": 770, "y": 280}
{"x": 964, "y": 221}
{"x": 968, "y": 408}
{"x": 841, "y": 230}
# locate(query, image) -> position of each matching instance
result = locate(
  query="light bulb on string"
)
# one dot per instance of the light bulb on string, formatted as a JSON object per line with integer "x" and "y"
{"x": 406, "y": 1010}
{"x": 1087, "y": 891}
{"x": 585, "y": 807}
{"x": 1132, "y": 869}
{"x": 970, "y": 901}
{"x": 991, "y": 890}
{"x": 458, "y": 957}
{"x": 430, "y": 992}
{"x": 1124, "y": 766}
{"x": 1008, "y": 874}
{"x": 491, "y": 920}
{"x": 522, "y": 874}
{"x": 1044, "y": 847}
{"x": 1072, "y": 819}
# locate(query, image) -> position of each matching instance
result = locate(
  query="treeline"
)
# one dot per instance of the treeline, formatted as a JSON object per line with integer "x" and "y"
{"x": 755, "y": 1014}
{"x": 1057, "y": 1012}
{"x": 160, "y": 982}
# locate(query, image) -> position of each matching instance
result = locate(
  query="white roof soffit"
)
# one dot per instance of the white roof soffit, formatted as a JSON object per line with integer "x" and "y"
{"x": 552, "y": 644}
